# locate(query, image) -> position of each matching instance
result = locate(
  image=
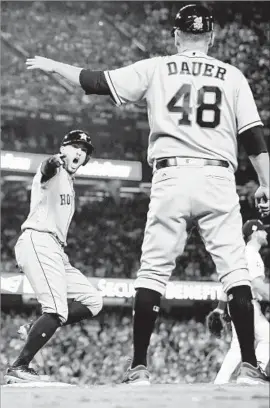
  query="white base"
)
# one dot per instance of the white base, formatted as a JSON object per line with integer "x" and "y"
{"x": 16, "y": 382}
{"x": 143, "y": 382}
{"x": 250, "y": 381}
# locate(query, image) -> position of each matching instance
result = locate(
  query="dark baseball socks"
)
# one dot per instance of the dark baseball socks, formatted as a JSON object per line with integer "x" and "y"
{"x": 242, "y": 314}
{"x": 41, "y": 332}
{"x": 146, "y": 308}
{"x": 77, "y": 312}
{"x": 44, "y": 328}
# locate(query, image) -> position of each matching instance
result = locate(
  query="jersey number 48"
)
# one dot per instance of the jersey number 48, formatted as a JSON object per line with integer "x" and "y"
{"x": 184, "y": 92}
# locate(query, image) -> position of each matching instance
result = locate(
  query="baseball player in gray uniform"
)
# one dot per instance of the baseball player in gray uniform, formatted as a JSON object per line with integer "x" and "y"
{"x": 255, "y": 235}
{"x": 197, "y": 106}
{"x": 40, "y": 253}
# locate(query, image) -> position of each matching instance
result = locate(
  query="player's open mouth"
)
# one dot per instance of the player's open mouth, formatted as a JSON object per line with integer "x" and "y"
{"x": 76, "y": 161}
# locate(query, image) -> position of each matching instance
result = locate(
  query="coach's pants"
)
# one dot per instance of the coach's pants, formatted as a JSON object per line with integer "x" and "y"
{"x": 206, "y": 194}
{"x": 52, "y": 277}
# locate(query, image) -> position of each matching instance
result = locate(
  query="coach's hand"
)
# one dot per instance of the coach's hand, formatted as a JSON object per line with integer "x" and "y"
{"x": 46, "y": 64}
{"x": 215, "y": 322}
{"x": 262, "y": 200}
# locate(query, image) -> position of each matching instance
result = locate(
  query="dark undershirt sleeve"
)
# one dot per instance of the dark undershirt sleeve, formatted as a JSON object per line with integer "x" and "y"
{"x": 94, "y": 82}
{"x": 48, "y": 170}
{"x": 253, "y": 141}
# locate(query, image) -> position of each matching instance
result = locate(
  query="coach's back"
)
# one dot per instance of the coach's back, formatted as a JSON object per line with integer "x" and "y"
{"x": 196, "y": 104}
{"x": 209, "y": 103}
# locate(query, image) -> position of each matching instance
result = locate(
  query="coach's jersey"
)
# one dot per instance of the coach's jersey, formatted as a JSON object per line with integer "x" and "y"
{"x": 196, "y": 104}
{"x": 52, "y": 204}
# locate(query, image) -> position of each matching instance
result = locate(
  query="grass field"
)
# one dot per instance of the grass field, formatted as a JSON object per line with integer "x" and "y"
{"x": 124, "y": 396}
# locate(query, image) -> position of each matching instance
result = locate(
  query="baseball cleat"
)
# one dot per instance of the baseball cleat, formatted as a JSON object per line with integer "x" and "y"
{"x": 250, "y": 375}
{"x": 24, "y": 330}
{"x": 138, "y": 375}
{"x": 21, "y": 374}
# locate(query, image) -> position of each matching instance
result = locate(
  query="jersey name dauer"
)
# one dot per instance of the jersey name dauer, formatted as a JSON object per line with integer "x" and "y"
{"x": 196, "y": 104}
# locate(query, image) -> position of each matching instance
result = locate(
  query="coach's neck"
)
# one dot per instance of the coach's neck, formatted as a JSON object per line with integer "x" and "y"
{"x": 193, "y": 42}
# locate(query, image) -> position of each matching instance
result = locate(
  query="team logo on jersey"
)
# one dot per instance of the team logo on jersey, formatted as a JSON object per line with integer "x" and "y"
{"x": 65, "y": 199}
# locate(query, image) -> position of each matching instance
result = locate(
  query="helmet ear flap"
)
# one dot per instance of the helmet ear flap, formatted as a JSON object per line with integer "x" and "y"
{"x": 86, "y": 160}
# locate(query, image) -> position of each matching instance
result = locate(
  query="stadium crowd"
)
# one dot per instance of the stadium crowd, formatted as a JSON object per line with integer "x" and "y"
{"x": 143, "y": 30}
{"x": 180, "y": 351}
{"x": 105, "y": 237}
{"x": 97, "y": 351}
{"x": 108, "y": 244}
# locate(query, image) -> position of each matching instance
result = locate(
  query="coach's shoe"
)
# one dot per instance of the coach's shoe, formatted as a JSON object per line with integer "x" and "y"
{"x": 21, "y": 374}
{"x": 24, "y": 330}
{"x": 138, "y": 375}
{"x": 251, "y": 375}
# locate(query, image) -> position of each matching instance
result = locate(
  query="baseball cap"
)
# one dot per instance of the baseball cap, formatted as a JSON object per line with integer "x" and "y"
{"x": 253, "y": 225}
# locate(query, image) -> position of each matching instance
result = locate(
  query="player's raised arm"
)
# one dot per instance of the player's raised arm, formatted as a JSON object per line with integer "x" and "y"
{"x": 70, "y": 72}
{"x": 49, "y": 166}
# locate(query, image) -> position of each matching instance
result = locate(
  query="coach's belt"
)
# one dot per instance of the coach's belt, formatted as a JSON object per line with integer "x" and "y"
{"x": 188, "y": 161}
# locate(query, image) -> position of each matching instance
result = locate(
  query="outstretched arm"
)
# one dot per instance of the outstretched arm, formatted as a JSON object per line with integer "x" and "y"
{"x": 92, "y": 82}
{"x": 70, "y": 72}
{"x": 49, "y": 166}
{"x": 126, "y": 84}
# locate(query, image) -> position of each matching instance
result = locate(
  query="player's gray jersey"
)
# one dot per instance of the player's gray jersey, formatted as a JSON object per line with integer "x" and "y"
{"x": 52, "y": 204}
{"x": 196, "y": 104}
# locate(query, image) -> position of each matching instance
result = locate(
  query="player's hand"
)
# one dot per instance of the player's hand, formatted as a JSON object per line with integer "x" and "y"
{"x": 215, "y": 322}
{"x": 58, "y": 159}
{"x": 45, "y": 64}
{"x": 262, "y": 200}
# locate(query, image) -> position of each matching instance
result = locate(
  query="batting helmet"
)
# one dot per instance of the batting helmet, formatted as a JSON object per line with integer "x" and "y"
{"x": 76, "y": 136}
{"x": 195, "y": 19}
{"x": 251, "y": 226}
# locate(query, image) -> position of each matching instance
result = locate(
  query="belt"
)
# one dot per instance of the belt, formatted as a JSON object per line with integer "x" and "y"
{"x": 58, "y": 240}
{"x": 51, "y": 233}
{"x": 188, "y": 161}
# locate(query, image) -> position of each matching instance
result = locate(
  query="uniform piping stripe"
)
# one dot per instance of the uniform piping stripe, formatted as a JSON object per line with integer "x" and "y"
{"x": 250, "y": 125}
{"x": 196, "y": 56}
{"x": 43, "y": 272}
{"x": 112, "y": 88}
